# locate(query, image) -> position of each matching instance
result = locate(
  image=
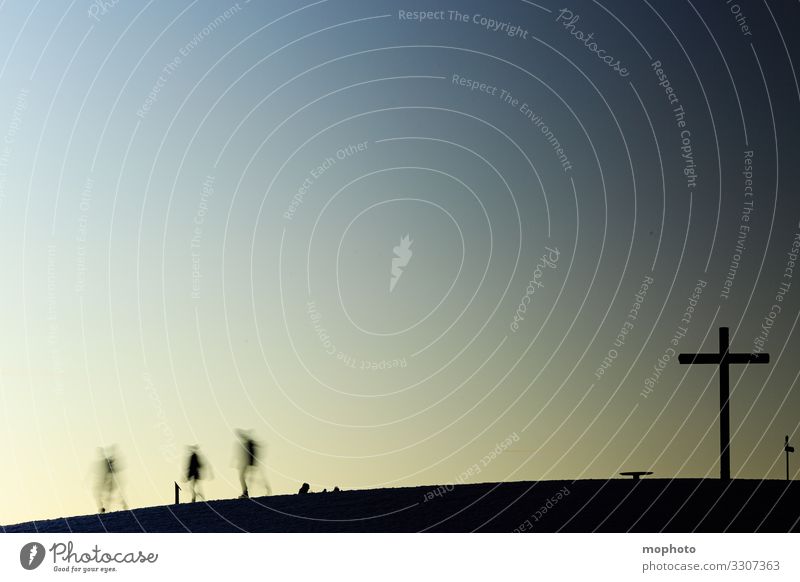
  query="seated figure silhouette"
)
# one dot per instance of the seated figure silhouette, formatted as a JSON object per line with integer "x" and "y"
{"x": 304, "y": 488}
{"x": 196, "y": 468}
{"x": 108, "y": 482}
{"x": 249, "y": 463}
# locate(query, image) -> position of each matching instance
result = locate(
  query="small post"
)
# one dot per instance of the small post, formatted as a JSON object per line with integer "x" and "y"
{"x": 177, "y": 493}
{"x": 787, "y": 449}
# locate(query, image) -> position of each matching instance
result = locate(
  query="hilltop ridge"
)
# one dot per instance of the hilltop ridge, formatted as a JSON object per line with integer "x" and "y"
{"x": 616, "y": 505}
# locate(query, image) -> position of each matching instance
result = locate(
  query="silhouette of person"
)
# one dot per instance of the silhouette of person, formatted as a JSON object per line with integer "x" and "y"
{"x": 108, "y": 481}
{"x": 249, "y": 463}
{"x": 303, "y": 489}
{"x": 195, "y": 469}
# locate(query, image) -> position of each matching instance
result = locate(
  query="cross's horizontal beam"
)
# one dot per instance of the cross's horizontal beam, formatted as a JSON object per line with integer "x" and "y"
{"x": 699, "y": 358}
{"x": 748, "y": 358}
{"x": 717, "y": 358}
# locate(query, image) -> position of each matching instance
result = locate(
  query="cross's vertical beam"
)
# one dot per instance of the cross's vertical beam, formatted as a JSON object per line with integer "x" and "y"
{"x": 724, "y": 407}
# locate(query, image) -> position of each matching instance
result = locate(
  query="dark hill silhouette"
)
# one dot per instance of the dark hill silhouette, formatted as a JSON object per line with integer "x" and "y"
{"x": 618, "y": 505}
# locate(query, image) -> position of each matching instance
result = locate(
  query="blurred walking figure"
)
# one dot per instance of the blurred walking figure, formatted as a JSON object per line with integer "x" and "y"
{"x": 249, "y": 462}
{"x": 196, "y": 469}
{"x": 108, "y": 481}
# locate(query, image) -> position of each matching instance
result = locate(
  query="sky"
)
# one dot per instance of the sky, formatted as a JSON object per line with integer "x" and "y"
{"x": 403, "y": 243}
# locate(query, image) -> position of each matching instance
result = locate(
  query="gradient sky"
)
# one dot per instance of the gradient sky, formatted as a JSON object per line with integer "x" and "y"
{"x": 164, "y": 283}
